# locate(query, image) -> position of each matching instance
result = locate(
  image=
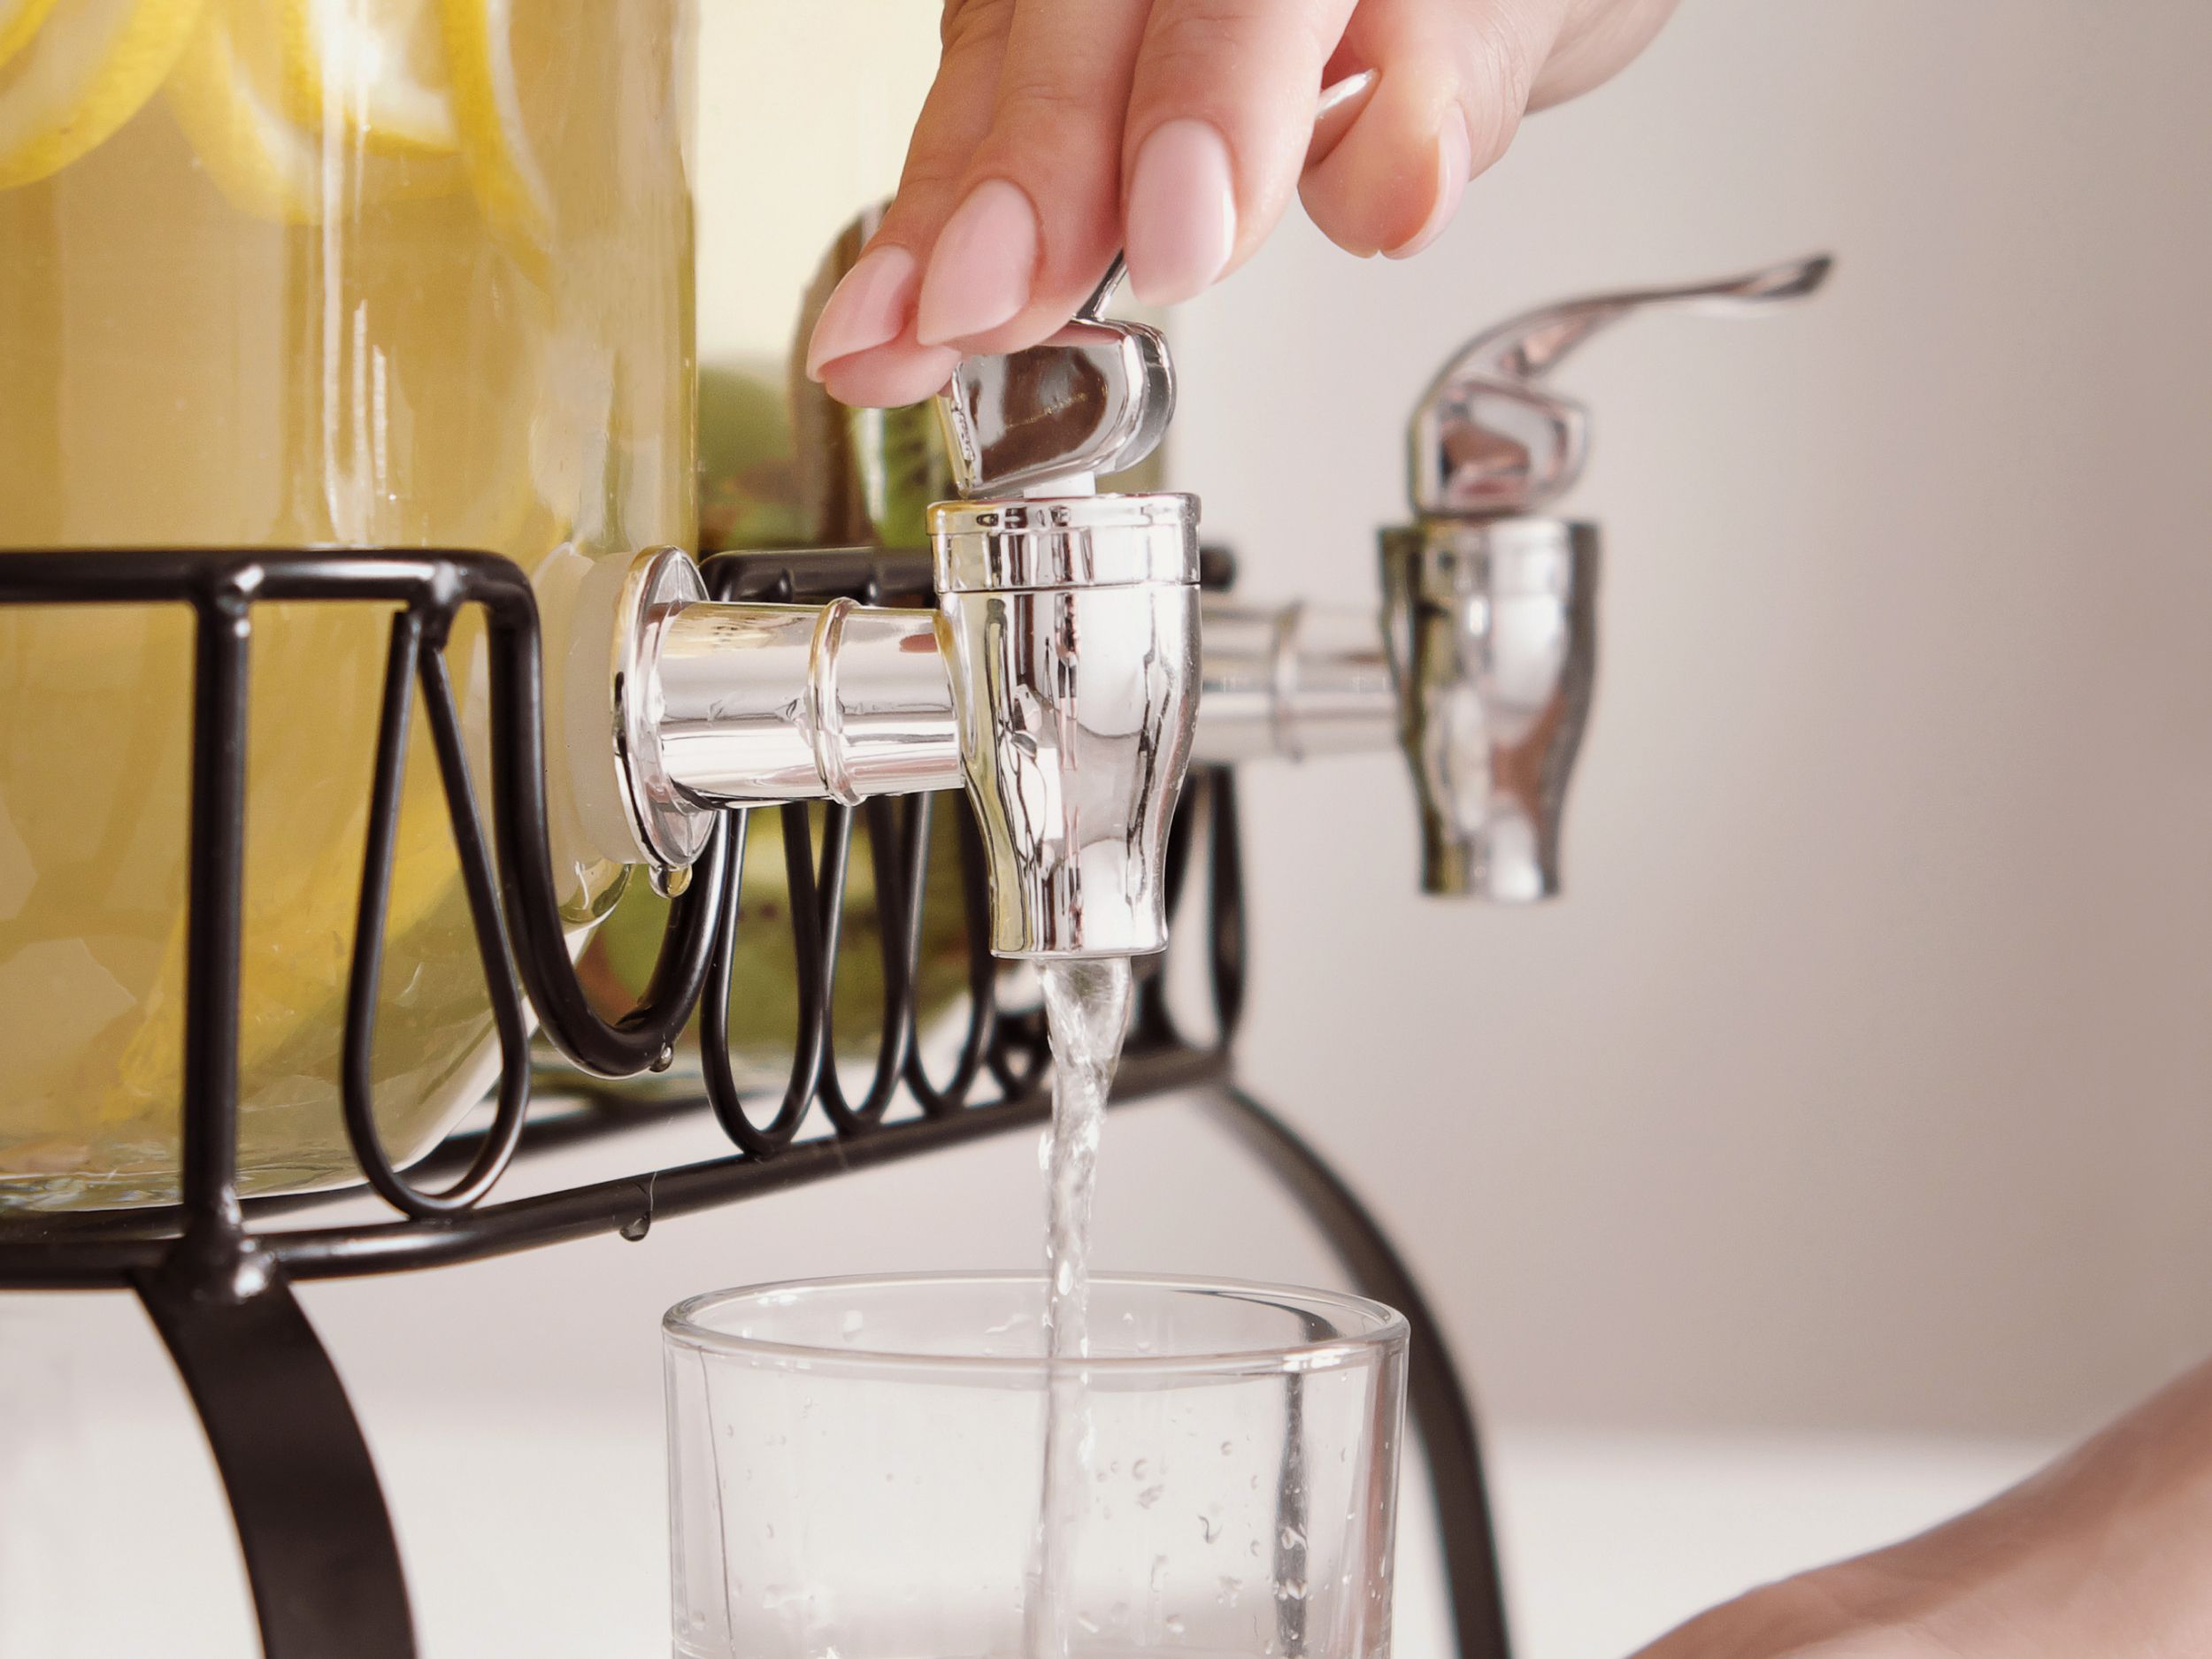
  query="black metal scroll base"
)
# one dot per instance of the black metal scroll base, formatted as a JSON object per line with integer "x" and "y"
{"x": 311, "y": 1520}
{"x": 326, "y": 1577}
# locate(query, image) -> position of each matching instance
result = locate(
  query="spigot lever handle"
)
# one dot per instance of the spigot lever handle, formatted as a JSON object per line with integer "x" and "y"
{"x": 1489, "y": 440}
{"x": 1528, "y": 347}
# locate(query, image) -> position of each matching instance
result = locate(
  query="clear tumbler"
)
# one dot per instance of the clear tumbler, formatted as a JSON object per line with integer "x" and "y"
{"x": 855, "y": 1469}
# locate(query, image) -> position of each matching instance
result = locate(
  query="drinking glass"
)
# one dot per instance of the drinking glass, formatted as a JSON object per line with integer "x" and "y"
{"x": 855, "y": 1469}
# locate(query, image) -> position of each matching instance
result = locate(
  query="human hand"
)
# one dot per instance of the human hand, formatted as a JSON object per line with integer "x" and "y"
{"x": 2103, "y": 1552}
{"x": 1061, "y": 130}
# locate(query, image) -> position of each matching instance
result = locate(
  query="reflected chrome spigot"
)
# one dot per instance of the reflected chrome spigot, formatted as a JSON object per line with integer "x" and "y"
{"x": 1493, "y": 627}
{"x": 1491, "y": 608}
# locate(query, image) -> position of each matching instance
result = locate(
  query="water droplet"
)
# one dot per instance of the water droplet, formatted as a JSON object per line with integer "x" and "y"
{"x": 637, "y": 1227}
{"x": 1209, "y": 1529}
{"x": 1228, "y": 1448}
{"x": 1159, "y": 1574}
{"x": 1175, "y": 1626}
{"x": 670, "y": 883}
{"x": 1290, "y": 1590}
{"x": 853, "y": 1320}
{"x": 1293, "y": 1538}
{"x": 1150, "y": 1496}
{"x": 1089, "y": 1625}
{"x": 1232, "y": 1590}
{"x": 666, "y": 1060}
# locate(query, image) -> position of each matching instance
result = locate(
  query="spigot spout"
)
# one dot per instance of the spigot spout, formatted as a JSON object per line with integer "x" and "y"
{"x": 1073, "y": 634}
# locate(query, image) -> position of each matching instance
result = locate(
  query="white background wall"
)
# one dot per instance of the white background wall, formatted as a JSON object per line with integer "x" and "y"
{"x": 1863, "y": 1076}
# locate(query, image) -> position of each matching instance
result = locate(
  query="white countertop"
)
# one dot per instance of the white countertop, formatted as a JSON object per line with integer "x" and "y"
{"x": 540, "y": 1535}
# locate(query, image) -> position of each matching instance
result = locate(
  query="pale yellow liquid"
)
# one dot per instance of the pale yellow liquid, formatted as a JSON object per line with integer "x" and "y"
{"x": 409, "y": 361}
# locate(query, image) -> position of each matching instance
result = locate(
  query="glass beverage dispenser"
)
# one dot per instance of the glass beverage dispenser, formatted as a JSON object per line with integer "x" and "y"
{"x": 296, "y": 273}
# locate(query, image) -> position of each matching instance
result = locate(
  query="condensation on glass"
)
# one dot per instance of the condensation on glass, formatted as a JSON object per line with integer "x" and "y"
{"x": 855, "y": 1468}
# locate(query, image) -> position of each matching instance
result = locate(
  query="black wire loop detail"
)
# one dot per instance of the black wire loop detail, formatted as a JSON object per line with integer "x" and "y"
{"x": 501, "y": 844}
{"x": 408, "y": 659}
{"x": 900, "y": 853}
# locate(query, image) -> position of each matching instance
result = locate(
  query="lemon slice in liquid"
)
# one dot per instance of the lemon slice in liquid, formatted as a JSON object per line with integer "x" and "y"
{"x": 376, "y": 65}
{"x": 228, "y": 93}
{"x": 502, "y": 165}
{"x": 78, "y": 74}
{"x": 18, "y": 21}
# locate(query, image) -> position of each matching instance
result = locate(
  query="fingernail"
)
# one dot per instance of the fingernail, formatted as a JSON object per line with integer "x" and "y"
{"x": 1182, "y": 212}
{"x": 869, "y": 308}
{"x": 981, "y": 272}
{"x": 890, "y": 376}
{"x": 1454, "y": 160}
{"x": 1340, "y": 106}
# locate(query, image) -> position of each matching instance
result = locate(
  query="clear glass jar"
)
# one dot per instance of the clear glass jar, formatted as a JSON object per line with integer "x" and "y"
{"x": 299, "y": 273}
{"x": 855, "y": 1467}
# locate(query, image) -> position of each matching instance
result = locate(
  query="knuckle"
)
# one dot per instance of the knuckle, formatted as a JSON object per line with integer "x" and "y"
{"x": 1189, "y": 36}
{"x": 1501, "y": 77}
{"x": 1203, "y": 37}
{"x": 1051, "y": 98}
{"x": 965, "y": 21}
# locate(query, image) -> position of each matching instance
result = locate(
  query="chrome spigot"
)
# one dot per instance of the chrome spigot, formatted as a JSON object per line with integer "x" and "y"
{"x": 1491, "y": 607}
{"x": 1057, "y": 680}
{"x": 1072, "y": 627}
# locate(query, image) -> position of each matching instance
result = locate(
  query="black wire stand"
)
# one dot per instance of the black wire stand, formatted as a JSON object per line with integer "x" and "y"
{"x": 214, "y": 1273}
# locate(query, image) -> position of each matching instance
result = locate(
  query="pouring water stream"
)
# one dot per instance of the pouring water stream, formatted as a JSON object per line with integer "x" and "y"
{"x": 1086, "y": 1013}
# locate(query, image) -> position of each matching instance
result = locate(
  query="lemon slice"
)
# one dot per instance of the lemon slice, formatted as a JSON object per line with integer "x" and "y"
{"x": 18, "y": 21}
{"x": 503, "y": 166}
{"x": 377, "y": 66}
{"x": 69, "y": 86}
{"x": 227, "y": 95}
